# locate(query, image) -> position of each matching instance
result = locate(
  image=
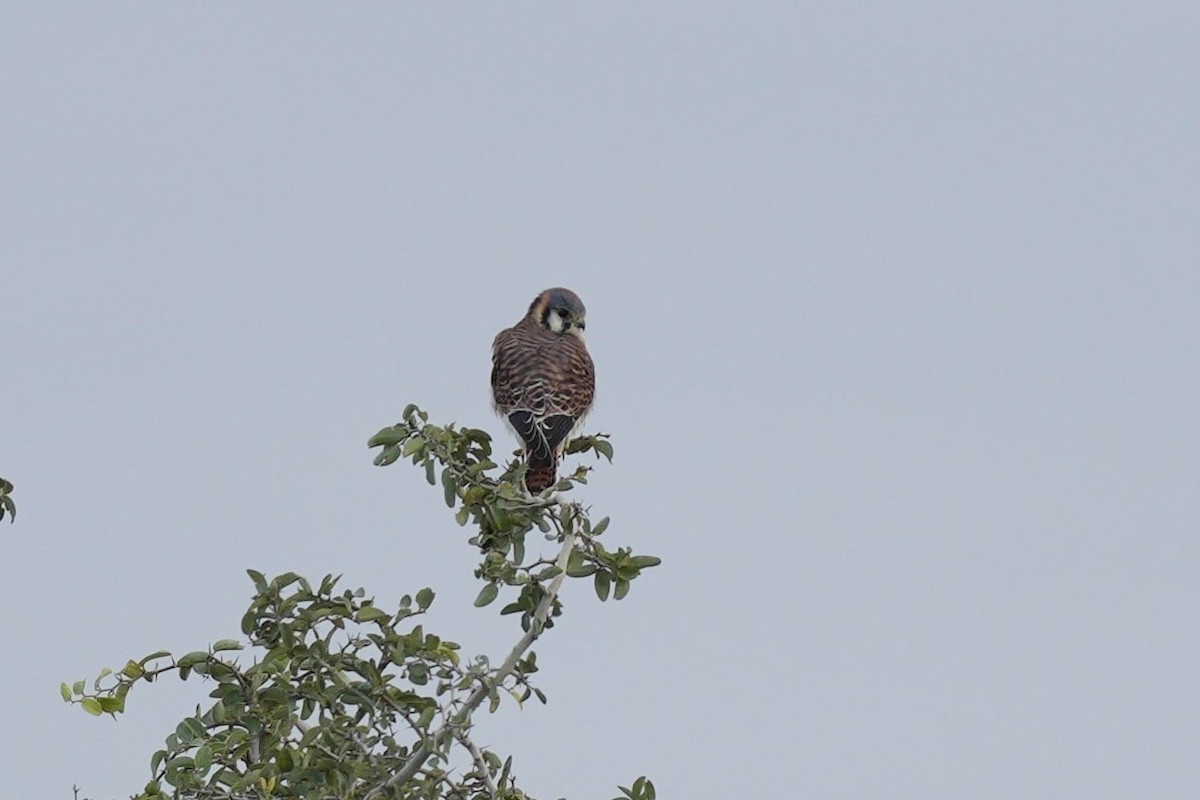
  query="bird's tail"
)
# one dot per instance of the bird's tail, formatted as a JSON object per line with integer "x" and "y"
{"x": 543, "y": 440}
{"x": 541, "y": 470}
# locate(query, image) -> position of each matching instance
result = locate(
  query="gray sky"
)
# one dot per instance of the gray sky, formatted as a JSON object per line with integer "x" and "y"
{"x": 894, "y": 311}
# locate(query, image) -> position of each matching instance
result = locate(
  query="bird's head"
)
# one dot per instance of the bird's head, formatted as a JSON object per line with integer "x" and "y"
{"x": 559, "y": 311}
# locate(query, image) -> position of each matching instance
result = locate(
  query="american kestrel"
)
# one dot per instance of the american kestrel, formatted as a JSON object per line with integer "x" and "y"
{"x": 543, "y": 380}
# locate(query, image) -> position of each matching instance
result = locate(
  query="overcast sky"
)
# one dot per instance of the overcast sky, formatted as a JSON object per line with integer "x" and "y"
{"x": 894, "y": 313}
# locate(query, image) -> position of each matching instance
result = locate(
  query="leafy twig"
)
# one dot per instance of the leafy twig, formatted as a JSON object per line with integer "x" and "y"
{"x": 437, "y": 740}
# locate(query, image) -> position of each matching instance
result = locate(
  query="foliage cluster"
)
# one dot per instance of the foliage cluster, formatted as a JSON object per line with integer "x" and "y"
{"x": 332, "y": 696}
{"x": 6, "y": 502}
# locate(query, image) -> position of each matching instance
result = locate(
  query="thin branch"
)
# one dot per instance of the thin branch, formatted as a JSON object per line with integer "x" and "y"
{"x": 427, "y": 747}
{"x": 480, "y": 764}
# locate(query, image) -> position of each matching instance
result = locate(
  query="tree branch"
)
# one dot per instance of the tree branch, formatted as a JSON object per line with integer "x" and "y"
{"x": 426, "y": 749}
{"x": 480, "y": 764}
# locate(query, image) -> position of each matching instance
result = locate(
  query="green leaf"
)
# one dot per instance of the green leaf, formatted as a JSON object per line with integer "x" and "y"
{"x": 180, "y": 762}
{"x": 602, "y": 585}
{"x": 226, "y": 644}
{"x": 155, "y": 655}
{"x": 204, "y": 758}
{"x": 604, "y": 448}
{"x": 183, "y": 732}
{"x": 77, "y": 687}
{"x": 645, "y": 562}
{"x": 620, "y": 589}
{"x": 285, "y": 580}
{"x": 260, "y": 582}
{"x": 92, "y": 706}
{"x": 65, "y": 691}
{"x": 387, "y": 455}
{"x": 426, "y": 718}
{"x": 486, "y": 595}
{"x": 133, "y": 670}
{"x": 369, "y": 613}
{"x": 425, "y": 598}
{"x": 449, "y": 488}
{"x": 192, "y": 659}
{"x": 328, "y": 583}
{"x": 195, "y": 727}
{"x": 112, "y": 705}
{"x": 392, "y": 434}
{"x": 600, "y": 527}
{"x": 581, "y": 571}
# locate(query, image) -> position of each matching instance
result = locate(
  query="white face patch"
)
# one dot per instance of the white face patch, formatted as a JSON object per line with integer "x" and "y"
{"x": 555, "y": 321}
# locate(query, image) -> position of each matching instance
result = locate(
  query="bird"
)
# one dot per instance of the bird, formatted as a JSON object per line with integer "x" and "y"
{"x": 543, "y": 381}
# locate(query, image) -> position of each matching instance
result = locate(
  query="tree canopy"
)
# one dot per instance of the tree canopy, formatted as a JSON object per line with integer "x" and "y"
{"x": 329, "y": 695}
